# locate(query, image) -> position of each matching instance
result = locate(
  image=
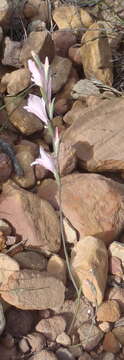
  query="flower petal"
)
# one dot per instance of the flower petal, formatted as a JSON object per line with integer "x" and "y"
{"x": 45, "y": 160}
{"x": 36, "y": 105}
{"x": 38, "y": 76}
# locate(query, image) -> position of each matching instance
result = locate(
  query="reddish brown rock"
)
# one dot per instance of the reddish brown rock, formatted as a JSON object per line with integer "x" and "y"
{"x": 63, "y": 40}
{"x": 98, "y": 148}
{"x": 95, "y": 335}
{"x": 74, "y": 54}
{"x": 117, "y": 293}
{"x": 47, "y": 191}
{"x": 51, "y": 327}
{"x": 94, "y": 205}
{"x": 110, "y": 343}
{"x": 89, "y": 264}
{"x": 109, "y": 311}
{"x": 34, "y": 219}
{"x": 115, "y": 266}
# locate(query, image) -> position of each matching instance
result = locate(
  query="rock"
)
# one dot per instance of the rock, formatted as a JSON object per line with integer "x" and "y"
{"x": 5, "y": 167}
{"x": 45, "y": 355}
{"x": 14, "y": 86}
{"x": 8, "y": 341}
{"x": 74, "y": 54}
{"x": 41, "y": 43}
{"x": 63, "y": 339}
{"x": 36, "y": 291}
{"x": 90, "y": 336}
{"x": 60, "y": 69}
{"x": 115, "y": 266}
{"x": 104, "y": 150}
{"x": 7, "y": 267}
{"x": 116, "y": 293}
{"x": 57, "y": 267}
{"x": 110, "y": 343}
{"x": 85, "y": 356}
{"x": 1, "y": 34}
{"x": 34, "y": 219}
{"x": 6, "y": 10}
{"x": 2, "y": 319}
{"x": 8, "y": 354}
{"x": 89, "y": 266}
{"x": 63, "y": 40}
{"x": 96, "y": 54}
{"x": 105, "y": 326}
{"x": 5, "y": 227}
{"x": 36, "y": 341}
{"x": 67, "y": 159}
{"x": 27, "y": 123}
{"x": 84, "y": 314}
{"x": 64, "y": 354}
{"x": 108, "y": 10}
{"x": 11, "y": 53}
{"x": 119, "y": 334}
{"x": 38, "y": 10}
{"x": 51, "y": 327}
{"x": 71, "y": 17}
{"x": 70, "y": 233}
{"x": 24, "y": 346}
{"x": 36, "y": 25}
{"x": 31, "y": 260}
{"x": 26, "y": 153}
{"x": 47, "y": 191}
{"x": 92, "y": 214}
{"x": 64, "y": 100}
{"x": 84, "y": 88}
{"x": 2, "y": 241}
{"x": 78, "y": 108}
{"x": 30, "y": 9}
{"x": 19, "y": 322}
{"x": 109, "y": 311}
{"x": 117, "y": 249}
{"x": 109, "y": 356}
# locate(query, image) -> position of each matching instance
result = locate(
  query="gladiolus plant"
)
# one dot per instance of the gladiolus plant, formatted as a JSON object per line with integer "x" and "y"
{"x": 43, "y": 107}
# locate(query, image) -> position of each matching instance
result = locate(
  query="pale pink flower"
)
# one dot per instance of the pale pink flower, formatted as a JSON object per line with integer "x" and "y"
{"x": 41, "y": 74}
{"x": 36, "y": 105}
{"x": 46, "y": 160}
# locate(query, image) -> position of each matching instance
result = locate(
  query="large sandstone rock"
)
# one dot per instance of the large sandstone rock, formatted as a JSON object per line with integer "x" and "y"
{"x": 14, "y": 86}
{"x": 71, "y": 17}
{"x": 27, "y": 123}
{"x": 94, "y": 205}
{"x": 97, "y": 136}
{"x": 34, "y": 219}
{"x": 89, "y": 263}
{"x": 33, "y": 290}
{"x": 96, "y": 54}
